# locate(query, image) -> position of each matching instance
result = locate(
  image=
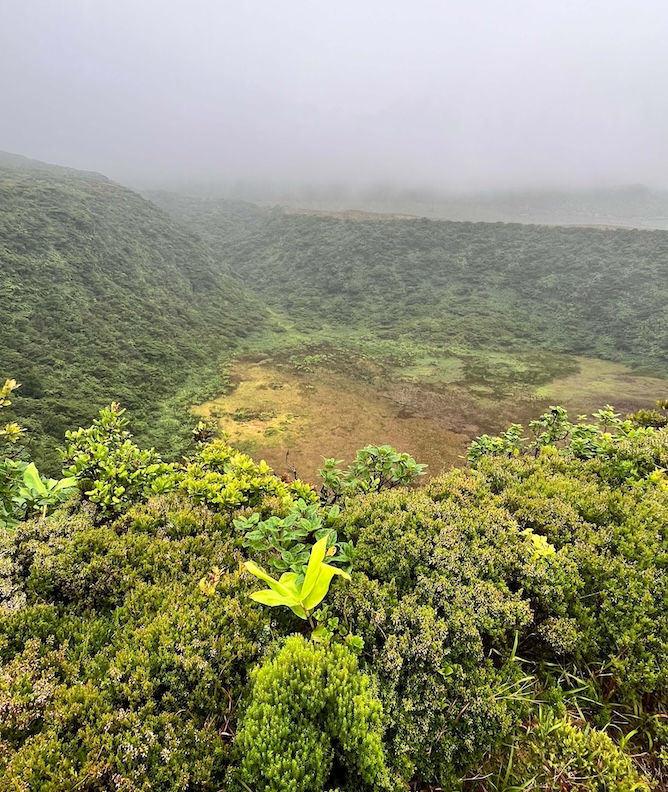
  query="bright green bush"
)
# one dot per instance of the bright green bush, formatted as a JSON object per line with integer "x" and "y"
{"x": 312, "y": 723}
{"x": 111, "y": 471}
{"x": 227, "y": 480}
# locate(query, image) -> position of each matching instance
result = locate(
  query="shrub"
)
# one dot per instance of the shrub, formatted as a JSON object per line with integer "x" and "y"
{"x": 227, "y": 480}
{"x": 311, "y": 723}
{"x": 118, "y": 673}
{"x": 375, "y": 468}
{"x": 556, "y": 753}
{"x": 112, "y": 472}
{"x": 23, "y": 491}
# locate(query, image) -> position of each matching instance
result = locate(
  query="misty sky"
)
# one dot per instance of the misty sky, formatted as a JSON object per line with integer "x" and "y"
{"x": 454, "y": 94}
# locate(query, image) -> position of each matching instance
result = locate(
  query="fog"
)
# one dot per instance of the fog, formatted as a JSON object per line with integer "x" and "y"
{"x": 459, "y": 95}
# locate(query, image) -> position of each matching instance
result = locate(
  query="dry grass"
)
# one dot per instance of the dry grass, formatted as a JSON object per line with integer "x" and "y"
{"x": 275, "y": 408}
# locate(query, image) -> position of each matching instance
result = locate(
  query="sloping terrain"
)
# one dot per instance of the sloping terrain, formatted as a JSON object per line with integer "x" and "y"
{"x": 596, "y": 292}
{"x": 103, "y": 296}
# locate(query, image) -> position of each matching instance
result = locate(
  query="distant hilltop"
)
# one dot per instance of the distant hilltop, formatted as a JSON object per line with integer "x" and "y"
{"x": 623, "y": 206}
{"x": 19, "y": 162}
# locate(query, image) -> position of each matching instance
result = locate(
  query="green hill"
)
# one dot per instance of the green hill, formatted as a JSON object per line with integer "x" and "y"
{"x": 103, "y": 297}
{"x": 595, "y": 292}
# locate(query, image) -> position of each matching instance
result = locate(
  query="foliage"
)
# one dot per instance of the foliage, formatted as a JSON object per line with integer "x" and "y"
{"x": 302, "y": 592}
{"x": 554, "y": 559}
{"x": 38, "y": 493}
{"x": 11, "y": 433}
{"x": 434, "y": 601}
{"x": 657, "y": 418}
{"x": 116, "y": 672}
{"x": 286, "y": 542}
{"x": 554, "y": 429}
{"x": 505, "y": 625}
{"x": 312, "y": 723}
{"x": 375, "y": 468}
{"x": 22, "y": 490}
{"x": 227, "y": 479}
{"x": 555, "y": 753}
{"x": 578, "y": 290}
{"x": 104, "y": 297}
{"x": 111, "y": 471}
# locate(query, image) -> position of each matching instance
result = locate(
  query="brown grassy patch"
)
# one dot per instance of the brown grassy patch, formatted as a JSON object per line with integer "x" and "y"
{"x": 323, "y": 413}
{"x": 277, "y": 407}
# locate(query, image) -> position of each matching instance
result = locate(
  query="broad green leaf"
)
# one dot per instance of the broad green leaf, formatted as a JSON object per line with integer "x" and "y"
{"x": 273, "y": 598}
{"x": 279, "y": 588}
{"x": 64, "y": 483}
{"x": 313, "y": 569}
{"x": 321, "y": 633}
{"x": 321, "y": 585}
{"x": 32, "y": 479}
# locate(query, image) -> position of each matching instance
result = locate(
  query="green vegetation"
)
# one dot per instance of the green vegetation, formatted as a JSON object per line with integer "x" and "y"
{"x": 301, "y": 592}
{"x": 375, "y": 468}
{"x": 104, "y": 297}
{"x": 599, "y": 293}
{"x": 23, "y": 491}
{"x": 309, "y": 707}
{"x": 503, "y": 627}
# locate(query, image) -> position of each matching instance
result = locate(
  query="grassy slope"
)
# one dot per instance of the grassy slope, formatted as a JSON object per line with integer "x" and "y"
{"x": 599, "y": 293}
{"x": 103, "y": 296}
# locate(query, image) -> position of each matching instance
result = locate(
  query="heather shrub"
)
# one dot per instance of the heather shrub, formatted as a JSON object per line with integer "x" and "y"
{"x": 117, "y": 672}
{"x": 312, "y": 723}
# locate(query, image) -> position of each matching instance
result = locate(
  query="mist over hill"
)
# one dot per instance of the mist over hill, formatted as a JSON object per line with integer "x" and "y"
{"x": 103, "y": 297}
{"x": 587, "y": 291}
{"x": 627, "y": 206}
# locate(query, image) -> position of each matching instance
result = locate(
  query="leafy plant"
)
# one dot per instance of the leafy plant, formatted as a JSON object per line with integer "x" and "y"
{"x": 375, "y": 468}
{"x": 286, "y": 542}
{"x": 22, "y": 490}
{"x": 228, "y": 480}
{"x": 12, "y": 432}
{"x": 657, "y": 418}
{"x": 38, "y": 494}
{"x": 301, "y": 593}
{"x": 111, "y": 470}
{"x": 553, "y": 428}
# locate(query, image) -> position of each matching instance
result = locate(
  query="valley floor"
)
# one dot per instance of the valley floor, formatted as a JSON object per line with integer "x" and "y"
{"x": 290, "y": 409}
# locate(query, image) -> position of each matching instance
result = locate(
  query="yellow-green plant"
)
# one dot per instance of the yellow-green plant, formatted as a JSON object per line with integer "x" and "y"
{"x": 312, "y": 722}
{"x": 301, "y": 593}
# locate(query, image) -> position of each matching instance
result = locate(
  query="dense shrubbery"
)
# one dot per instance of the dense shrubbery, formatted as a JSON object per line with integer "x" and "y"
{"x": 105, "y": 297}
{"x": 505, "y": 626}
{"x": 595, "y": 292}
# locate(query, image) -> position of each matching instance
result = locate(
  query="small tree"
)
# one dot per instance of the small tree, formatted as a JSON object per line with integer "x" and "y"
{"x": 375, "y": 468}
{"x": 110, "y": 469}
